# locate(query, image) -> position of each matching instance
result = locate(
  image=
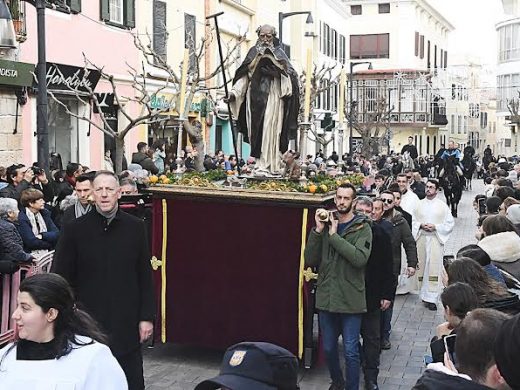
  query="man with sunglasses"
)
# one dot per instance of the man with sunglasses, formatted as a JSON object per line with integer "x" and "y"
{"x": 401, "y": 236}
{"x": 431, "y": 227}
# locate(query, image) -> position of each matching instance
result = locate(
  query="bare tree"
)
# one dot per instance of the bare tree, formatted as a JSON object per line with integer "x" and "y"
{"x": 198, "y": 80}
{"x": 374, "y": 125}
{"x": 322, "y": 80}
{"x": 513, "y": 105}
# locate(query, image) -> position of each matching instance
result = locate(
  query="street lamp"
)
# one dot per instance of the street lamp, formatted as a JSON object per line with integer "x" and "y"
{"x": 282, "y": 16}
{"x": 7, "y": 35}
{"x": 42, "y": 129}
{"x": 351, "y": 103}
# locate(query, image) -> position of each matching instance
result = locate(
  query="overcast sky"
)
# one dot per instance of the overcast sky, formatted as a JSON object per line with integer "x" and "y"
{"x": 475, "y": 33}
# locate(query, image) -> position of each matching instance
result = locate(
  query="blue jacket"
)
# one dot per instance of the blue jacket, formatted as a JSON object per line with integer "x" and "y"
{"x": 30, "y": 241}
{"x": 453, "y": 152}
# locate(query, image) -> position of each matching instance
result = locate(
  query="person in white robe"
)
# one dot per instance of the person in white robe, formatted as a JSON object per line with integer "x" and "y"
{"x": 406, "y": 282}
{"x": 431, "y": 227}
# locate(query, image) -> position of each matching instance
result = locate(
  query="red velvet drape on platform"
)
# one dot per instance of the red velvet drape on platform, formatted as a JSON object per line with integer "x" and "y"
{"x": 231, "y": 272}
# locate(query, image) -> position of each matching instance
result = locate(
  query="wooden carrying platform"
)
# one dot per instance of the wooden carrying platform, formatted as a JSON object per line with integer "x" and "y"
{"x": 229, "y": 266}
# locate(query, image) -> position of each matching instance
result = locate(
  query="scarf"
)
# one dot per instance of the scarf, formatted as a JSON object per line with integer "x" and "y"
{"x": 38, "y": 227}
{"x": 110, "y": 215}
{"x": 81, "y": 210}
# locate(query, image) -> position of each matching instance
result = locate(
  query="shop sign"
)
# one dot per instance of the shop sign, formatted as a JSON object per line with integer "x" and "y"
{"x": 71, "y": 78}
{"x": 16, "y": 73}
{"x": 106, "y": 101}
{"x": 164, "y": 102}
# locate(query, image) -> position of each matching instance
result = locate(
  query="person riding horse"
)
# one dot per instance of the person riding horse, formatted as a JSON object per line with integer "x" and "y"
{"x": 454, "y": 152}
{"x": 451, "y": 182}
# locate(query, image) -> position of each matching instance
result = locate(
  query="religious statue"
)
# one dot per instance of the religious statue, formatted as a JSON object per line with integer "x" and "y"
{"x": 265, "y": 101}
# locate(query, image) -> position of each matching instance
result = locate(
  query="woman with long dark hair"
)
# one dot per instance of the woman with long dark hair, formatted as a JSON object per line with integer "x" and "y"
{"x": 490, "y": 293}
{"x": 58, "y": 344}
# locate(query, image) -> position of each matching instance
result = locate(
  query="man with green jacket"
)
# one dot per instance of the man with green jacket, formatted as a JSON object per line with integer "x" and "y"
{"x": 340, "y": 248}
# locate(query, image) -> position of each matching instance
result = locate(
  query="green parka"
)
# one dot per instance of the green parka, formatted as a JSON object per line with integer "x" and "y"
{"x": 341, "y": 259}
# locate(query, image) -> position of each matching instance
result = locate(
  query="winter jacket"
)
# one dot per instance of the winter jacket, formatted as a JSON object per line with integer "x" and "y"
{"x": 30, "y": 241}
{"x": 145, "y": 162}
{"x": 11, "y": 244}
{"x": 379, "y": 279}
{"x": 504, "y": 251}
{"x": 15, "y": 192}
{"x": 402, "y": 234}
{"x": 341, "y": 258}
{"x": 437, "y": 378}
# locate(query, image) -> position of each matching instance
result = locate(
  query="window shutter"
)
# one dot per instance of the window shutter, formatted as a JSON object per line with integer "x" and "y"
{"x": 105, "y": 9}
{"x": 129, "y": 13}
{"x": 159, "y": 28}
{"x": 75, "y": 6}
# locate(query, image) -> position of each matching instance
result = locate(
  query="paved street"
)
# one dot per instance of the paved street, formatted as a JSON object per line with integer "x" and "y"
{"x": 175, "y": 367}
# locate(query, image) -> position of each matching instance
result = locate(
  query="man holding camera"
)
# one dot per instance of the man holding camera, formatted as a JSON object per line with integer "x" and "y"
{"x": 20, "y": 178}
{"x": 340, "y": 246}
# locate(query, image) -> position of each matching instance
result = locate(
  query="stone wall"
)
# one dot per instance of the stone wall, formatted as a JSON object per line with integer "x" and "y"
{"x": 10, "y": 144}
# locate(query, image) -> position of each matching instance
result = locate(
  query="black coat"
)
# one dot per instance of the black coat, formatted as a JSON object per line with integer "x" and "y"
{"x": 436, "y": 380}
{"x": 379, "y": 278}
{"x": 410, "y": 149}
{"x": 11, "y": 244}
{"x": 109, "y": 268}
{"x": 419, "y": 188}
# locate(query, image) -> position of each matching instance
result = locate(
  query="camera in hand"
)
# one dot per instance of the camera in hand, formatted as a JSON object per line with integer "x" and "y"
{"x": 37, "y": 170}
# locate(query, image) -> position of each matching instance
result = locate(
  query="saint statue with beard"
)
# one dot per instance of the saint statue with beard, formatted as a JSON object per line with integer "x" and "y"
{"x": 265, "y": 101}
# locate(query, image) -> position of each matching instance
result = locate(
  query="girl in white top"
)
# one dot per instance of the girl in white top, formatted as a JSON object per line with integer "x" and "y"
{"x": 59, "y": 347}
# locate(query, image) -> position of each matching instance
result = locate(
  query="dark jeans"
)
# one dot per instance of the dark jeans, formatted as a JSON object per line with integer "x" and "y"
{"x": 386, "y": 322}
{"x": 371, "y": 350}
{"x": 132, "y": 365}
{"x": 348, "y": 325}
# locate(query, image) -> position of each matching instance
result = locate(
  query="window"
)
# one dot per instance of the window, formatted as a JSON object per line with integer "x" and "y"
{"x": 459, "y": 124}
{"x": 416, "y": 44}
{"x": 440, "y": 58}
{"x": 160, "y": 33}
{"x": 118, "y": 12}
{"x": 342, "y": 48}
{"x": 384, "y": 8}
{"x": 445, "y": 59}
{"x": 509, "y": 42}
{"x": 190, "y": 39}
{"x": 64, "y": 137}
{"x": 369, "y": 46}
{"x": 356, "y": 10}
{"x": 435, "y": 56}
{"x": 452, "y": 124}
{"x": 465, "y": 124}
{"x": 421, "y": 54}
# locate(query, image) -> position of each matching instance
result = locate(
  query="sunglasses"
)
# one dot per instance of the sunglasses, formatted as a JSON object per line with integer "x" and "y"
{"x": 389, "y": 201}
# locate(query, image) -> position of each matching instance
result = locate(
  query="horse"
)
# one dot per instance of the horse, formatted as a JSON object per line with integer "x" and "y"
{"x": 468, "y": 169}
{"x": 451, "y": 184}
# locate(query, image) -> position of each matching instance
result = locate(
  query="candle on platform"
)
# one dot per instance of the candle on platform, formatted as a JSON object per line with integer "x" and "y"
{"x": 341, "y": 104}
{"x": 308, "y": 76}
{"x": 184, "y": 78}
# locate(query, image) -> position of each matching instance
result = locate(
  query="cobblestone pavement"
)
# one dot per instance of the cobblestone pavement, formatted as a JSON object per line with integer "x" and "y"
{"x": 178, "y": 367}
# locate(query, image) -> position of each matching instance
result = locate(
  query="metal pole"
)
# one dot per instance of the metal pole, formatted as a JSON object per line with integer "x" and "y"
{"x": 41, "y": 116}
{"x": 351, "y": 98}
{"x": 280, "y": 28}
{"x": 215, "y": 16}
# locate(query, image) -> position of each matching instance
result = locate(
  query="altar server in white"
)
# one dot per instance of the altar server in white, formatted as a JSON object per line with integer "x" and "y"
{"x": 59, "y": 346}
{"x": 431, "y": 227}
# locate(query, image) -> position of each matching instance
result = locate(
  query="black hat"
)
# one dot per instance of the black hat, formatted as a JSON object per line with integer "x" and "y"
{"x": 255, "y": 366}
{"x": 507, "y": 346}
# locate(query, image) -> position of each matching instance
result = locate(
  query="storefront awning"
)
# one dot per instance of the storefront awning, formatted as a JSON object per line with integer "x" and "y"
{"x": 19, "y": 74}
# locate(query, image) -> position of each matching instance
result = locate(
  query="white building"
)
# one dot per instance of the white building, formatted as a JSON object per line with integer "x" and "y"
{"x": 406, "y": 42}
{"x": 508, "y": 73}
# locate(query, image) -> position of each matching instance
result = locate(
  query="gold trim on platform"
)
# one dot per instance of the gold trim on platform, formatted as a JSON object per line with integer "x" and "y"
{"x": 242, "y": 194}
{"x": 163, "y": 269}
{"x": 300, "y": 283}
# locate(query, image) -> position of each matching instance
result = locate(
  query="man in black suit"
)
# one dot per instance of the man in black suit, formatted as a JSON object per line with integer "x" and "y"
{"x": 105, "y": 257}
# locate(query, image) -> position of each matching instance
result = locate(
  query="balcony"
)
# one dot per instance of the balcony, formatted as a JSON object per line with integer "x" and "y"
{"x": 17, "y": 9}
